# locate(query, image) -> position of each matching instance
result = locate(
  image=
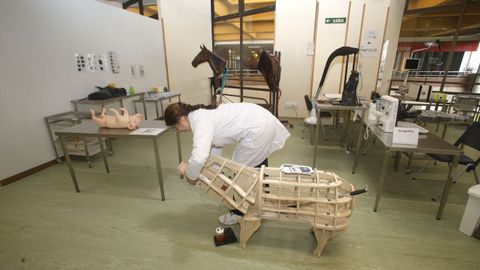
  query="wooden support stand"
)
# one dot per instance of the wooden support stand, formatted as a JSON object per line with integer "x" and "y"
{"x": 248, "y": 226}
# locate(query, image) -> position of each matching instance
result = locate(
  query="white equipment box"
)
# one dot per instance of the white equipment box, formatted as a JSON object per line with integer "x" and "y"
{"x": 388, "y": 109}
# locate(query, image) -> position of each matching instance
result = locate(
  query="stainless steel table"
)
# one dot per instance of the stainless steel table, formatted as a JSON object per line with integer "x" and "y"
{"x": 427, "y": 143}
{"x": 103, "y": 102}
{"x": 321, "y": 106}
{"x": 157, "y": 98}
{"x": 89, "y": 129}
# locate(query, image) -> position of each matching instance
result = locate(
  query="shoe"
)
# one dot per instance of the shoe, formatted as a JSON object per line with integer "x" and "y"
{"x": 229, "y": 218}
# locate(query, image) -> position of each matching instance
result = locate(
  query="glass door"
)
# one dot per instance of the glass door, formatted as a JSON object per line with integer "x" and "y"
{"x": 254, "y": 19}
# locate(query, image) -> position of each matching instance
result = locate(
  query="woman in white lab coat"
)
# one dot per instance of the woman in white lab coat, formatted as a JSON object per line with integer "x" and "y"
{"x": 256, "y": 132}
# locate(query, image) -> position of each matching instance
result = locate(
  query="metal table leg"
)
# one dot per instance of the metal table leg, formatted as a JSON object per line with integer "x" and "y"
{"x": 87, "y": 154}
{"x": 381, "y": 179}
{"x": 135, "y": 106}
{"x": 409, "y": 164}
{"x": 359, "y": 142}
{"x": 144, "y": 107}
{"x": 161, "y": 108}
{"x": 346, "y": 119}
{"x": 156, "y": 109}
{"x": 110, "y": 146}
{"x": 104, "y": 154}
{"x": 69, "y": 162}
{"x": 445, "y": 126}
{"x": 398, "y": 157}
{"x": 159, "y": 168}
{"x": 315, "y": 142}
{"x": 446, "y": 187}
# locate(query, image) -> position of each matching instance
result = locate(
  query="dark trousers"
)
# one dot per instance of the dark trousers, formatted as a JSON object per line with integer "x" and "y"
{"x": 265, "y": 162}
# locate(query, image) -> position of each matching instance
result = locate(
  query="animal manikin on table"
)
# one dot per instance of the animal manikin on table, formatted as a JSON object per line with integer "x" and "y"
{"x": 322, "y": 199}
{"x": 117, "y": 120}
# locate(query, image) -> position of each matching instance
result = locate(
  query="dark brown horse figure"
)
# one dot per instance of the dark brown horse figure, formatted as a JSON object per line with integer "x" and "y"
{"x": 217, "y": 64}
{"x": 269, "y": 66}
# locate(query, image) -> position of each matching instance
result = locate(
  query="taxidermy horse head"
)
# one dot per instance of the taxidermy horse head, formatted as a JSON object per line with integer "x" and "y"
{"x": 217, "y": 64}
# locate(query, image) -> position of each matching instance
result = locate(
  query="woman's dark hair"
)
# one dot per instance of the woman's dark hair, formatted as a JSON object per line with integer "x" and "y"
{"x": 176, "y": 110}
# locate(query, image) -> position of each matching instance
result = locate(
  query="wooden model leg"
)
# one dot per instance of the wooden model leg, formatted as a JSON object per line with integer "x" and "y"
{"x": 322, "y": 237}
{"x": 248, "y": 226}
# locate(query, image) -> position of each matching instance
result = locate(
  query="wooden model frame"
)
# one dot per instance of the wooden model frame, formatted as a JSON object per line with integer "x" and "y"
{"x": 322, "y": 199}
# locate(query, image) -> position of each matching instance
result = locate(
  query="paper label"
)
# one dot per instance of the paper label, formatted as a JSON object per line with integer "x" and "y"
{"x": 402, "y": 135}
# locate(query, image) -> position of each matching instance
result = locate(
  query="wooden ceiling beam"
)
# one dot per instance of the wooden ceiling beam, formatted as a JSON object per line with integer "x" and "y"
{"x": 462, "y": 28}
{"x": 443, "y": 8}
{"x": 249, "y": 2}
{"x": 224, "y": 8}
{"x": 268, "y": 16}
{"x": 417, "y": 4}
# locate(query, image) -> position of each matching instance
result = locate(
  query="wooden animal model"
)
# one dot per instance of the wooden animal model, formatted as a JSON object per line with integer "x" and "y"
{"x": 321, "y": 199}
{"x": 118, "y": 120}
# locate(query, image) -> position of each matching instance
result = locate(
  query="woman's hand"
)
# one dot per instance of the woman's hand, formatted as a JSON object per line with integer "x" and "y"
{"x": 182, "y": 169}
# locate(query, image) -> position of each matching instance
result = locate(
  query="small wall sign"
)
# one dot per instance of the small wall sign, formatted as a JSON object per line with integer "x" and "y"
{"x": 335, "y": 20}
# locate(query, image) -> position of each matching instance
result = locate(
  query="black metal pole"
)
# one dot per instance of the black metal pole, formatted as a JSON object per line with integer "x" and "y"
{"x": 452, "y": 48}
{"x": 240, "y": 11}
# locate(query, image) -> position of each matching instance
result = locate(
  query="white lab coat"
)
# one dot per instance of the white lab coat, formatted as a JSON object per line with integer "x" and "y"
{"x": 255, "y": 130}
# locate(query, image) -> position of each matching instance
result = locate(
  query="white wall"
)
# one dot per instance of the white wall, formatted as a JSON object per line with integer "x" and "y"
{"x": 332, "y": 36}
{"x": 329, "y": 38}
{"x": 187, "y": 26}
{"x": 296, "y": 64}
{"x": 37, "y": 77}
{"x": 392, "y": 35}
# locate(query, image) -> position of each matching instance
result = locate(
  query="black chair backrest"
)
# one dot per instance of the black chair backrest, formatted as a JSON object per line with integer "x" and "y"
{"x": 308, "y": 103}
{"x": 471, "y": 136}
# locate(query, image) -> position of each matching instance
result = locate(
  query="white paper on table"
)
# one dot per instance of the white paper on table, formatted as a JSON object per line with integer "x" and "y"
{"x": 148, "y": 131}
{"x": 405, "y": 135}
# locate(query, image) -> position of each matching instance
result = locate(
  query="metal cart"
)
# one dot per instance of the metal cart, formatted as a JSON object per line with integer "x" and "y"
{"x": 76, "y": 146}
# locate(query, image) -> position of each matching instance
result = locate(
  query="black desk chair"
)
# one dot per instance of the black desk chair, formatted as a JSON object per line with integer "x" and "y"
{"x": 312, "y": 118}
{"x": 471, "y": 138}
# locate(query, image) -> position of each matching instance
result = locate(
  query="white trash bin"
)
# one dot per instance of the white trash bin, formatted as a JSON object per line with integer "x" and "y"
{"x": 471, "y": 216}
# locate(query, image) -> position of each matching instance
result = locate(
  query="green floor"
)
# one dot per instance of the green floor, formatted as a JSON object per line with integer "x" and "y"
{"x": 119, "y": 222}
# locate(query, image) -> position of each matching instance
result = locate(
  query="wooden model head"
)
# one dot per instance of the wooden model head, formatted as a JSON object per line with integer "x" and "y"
{"x": 117, "y": 120}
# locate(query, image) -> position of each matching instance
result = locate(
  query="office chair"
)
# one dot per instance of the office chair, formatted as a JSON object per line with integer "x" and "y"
{"x": 471, "y": 138}
{"x": 311, "y": 120}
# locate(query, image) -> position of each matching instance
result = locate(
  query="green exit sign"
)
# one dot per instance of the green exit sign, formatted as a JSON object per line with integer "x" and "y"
{"x": 335, "y": 20}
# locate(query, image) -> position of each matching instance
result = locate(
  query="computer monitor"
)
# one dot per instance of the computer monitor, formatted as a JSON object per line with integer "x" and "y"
{"x": 412, "y": 63}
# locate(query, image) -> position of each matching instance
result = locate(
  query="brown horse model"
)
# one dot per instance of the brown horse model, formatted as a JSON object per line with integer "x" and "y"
{"x": 216, "y": 63}
{"x": 117, "y": 120}
{"x": 269, "y": 66}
